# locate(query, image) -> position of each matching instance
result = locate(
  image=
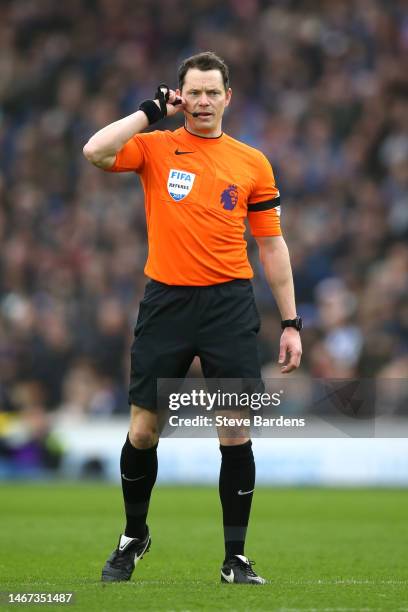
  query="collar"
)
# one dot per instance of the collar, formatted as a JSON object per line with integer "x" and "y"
{"x": 201, "y": 141}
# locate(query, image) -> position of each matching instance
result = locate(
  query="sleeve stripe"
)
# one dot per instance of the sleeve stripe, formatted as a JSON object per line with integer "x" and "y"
{"x": 260, "y": 206}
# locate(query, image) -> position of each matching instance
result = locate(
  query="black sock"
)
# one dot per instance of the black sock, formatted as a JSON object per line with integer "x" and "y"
{"x": 138, "y": 468}
{"x": 237, "y": 482}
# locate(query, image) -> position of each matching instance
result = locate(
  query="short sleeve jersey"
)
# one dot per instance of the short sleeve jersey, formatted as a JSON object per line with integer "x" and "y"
{"x": 198, "y": 193}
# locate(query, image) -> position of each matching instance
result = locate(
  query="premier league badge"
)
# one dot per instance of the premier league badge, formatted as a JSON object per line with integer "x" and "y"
{"x": 180, "y": 183}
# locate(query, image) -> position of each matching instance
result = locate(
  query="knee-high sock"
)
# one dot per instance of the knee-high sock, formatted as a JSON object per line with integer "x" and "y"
{"x": 237, "y": 482}
{"x": 138, "y": 468}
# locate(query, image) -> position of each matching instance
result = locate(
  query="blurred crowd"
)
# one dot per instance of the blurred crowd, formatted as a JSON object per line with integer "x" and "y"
{"x": 320, "y": 87}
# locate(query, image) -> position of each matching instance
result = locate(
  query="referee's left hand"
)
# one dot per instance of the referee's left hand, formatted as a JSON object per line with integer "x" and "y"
{"x": 290, "y": 350}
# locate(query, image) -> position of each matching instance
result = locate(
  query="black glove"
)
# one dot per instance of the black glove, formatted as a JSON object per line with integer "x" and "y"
{"x": 150, "y": 108}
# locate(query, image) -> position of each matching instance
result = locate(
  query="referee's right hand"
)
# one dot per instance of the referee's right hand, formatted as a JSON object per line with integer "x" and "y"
{"x": 172, "y": 108}
{"x": 165, "y": 103}
{"x": 174, "y": 103}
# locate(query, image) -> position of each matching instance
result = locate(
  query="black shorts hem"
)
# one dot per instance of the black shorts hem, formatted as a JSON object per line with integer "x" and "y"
{"x": 142, "y": 404}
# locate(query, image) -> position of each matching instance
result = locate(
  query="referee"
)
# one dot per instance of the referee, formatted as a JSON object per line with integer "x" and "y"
{"x": 200, "y": 185}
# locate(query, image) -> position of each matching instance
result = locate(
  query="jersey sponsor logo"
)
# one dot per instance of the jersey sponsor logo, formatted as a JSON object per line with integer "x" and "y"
{"x": 180, "y": 183}
{"x": 229, "y": 197}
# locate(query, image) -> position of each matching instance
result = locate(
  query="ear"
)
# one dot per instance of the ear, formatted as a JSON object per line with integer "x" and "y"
{"x": 228, "y": 96}
{"x": 178, "y": 92}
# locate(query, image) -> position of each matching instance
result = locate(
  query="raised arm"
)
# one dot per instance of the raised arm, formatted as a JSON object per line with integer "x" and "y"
{"x": 102, "y": 147}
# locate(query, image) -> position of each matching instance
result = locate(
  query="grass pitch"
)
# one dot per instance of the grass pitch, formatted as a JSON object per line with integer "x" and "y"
{"x": 321, "y": 550}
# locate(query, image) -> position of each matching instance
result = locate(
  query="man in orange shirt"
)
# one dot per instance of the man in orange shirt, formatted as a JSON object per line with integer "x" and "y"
{"x": 200, "y": 185}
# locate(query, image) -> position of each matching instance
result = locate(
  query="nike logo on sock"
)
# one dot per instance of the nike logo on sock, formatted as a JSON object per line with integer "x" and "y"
{"x": 240, "y": 492}
{"x": 228, "y": 577}
{"x": 133, "y": 479}
{"x": 177, "y": 152}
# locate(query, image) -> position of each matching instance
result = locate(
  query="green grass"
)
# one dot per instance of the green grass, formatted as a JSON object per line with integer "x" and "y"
{"x": 321, "y": 549}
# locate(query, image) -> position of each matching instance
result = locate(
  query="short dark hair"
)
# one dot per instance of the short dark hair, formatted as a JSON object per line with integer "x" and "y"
{"x": 208, "y": 60}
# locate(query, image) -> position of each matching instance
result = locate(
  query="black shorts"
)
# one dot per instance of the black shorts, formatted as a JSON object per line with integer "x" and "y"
{"x": 217, "y": 323}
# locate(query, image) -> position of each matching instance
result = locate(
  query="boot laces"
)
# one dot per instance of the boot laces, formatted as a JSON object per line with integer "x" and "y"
{"x": 247, "y": 567}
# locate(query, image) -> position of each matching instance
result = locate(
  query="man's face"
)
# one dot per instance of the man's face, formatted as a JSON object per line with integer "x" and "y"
{"x": 204, "y": 93}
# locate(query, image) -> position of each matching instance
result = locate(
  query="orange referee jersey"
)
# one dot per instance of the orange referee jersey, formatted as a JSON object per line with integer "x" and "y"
{"x": 198, "y": 192}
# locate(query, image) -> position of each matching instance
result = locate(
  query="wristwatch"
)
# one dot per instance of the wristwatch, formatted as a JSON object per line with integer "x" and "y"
{"x": 296, "y": 323}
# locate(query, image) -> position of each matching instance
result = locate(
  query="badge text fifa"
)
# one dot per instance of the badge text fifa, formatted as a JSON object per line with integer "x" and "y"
{"x": 179, "y": 183}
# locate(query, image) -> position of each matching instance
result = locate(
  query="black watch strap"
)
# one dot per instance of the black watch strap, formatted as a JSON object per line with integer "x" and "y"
{"x": 296, "y": 323}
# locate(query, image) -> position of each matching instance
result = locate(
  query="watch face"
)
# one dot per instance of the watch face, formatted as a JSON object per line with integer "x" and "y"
{"x": 296, "y": 323}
